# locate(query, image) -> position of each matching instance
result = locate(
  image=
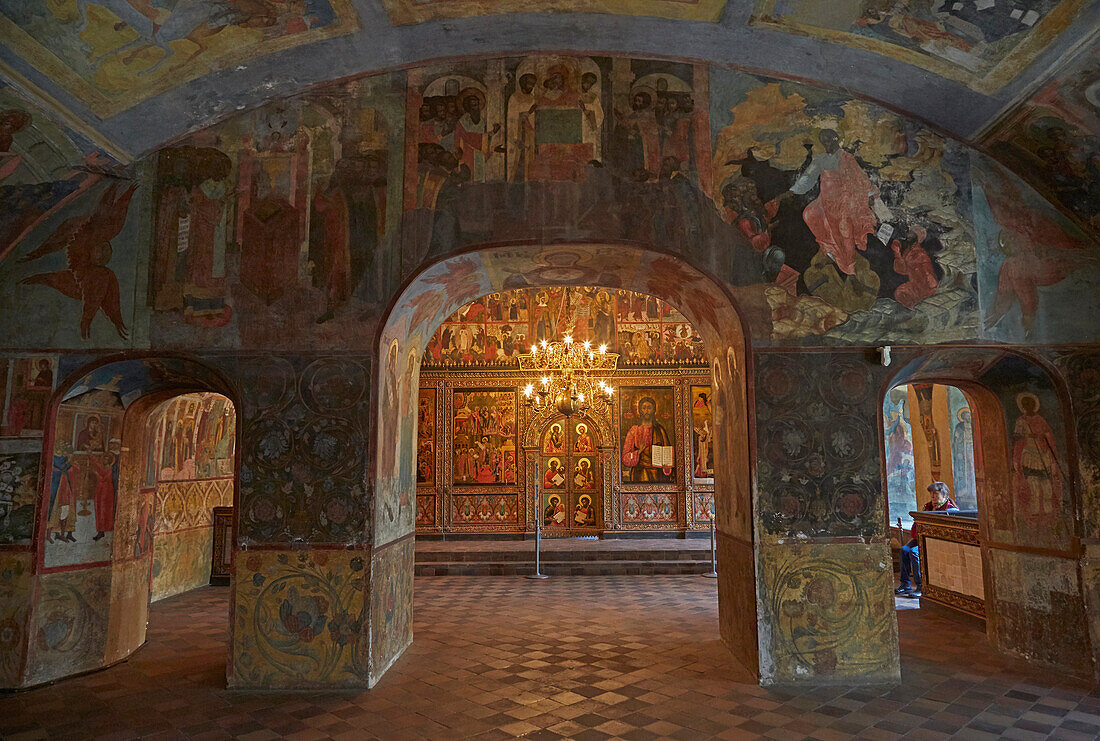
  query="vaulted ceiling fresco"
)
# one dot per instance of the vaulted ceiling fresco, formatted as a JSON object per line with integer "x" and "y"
{"x": 982, "y": 43}
{"x": 124, "y": 77}
{"x": 1051, "y": 139}
{"x": 111, "y": 54}
{"x": 140, "y": 73}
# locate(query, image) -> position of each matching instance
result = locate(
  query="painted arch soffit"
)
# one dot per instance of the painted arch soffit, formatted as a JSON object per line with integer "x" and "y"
{"x": 446, "y": 286}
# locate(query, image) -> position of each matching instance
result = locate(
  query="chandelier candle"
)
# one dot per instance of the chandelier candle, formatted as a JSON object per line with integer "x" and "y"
{"x": 571, "y": 376}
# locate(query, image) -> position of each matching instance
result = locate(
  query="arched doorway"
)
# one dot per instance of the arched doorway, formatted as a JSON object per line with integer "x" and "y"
{"x": 478, "y": 441}
{"x": 571, "y": 482}
{"x": 125, "y": 492}
{"x": 441, "y": 288}
{"x": 1024, "y": 576}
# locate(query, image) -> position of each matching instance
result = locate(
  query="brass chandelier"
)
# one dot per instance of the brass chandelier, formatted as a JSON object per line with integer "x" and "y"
{"x": 571, "y": 376}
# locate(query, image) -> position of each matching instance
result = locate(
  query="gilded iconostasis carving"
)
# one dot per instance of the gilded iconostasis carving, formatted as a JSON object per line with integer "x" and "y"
{"x": 643, "y": 463}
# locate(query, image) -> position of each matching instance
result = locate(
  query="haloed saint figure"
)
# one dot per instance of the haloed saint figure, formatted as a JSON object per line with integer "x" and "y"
{"x": 647, "y": 455}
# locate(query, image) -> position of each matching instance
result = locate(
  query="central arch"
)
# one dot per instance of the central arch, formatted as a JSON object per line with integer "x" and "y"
{"x": 442, "y": 287}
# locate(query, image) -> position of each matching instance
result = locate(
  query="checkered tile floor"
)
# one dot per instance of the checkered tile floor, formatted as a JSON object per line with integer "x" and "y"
{"x": 574, "y": 657}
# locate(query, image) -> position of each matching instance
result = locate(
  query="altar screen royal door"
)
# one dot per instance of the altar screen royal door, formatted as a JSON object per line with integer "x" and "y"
{"x": 571, "y": 495}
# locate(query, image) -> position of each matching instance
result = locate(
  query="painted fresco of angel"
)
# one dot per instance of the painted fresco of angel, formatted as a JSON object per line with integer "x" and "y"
{"x": 87, "y": 241}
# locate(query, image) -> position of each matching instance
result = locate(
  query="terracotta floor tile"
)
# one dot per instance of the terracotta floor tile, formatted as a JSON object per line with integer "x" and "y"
{"x": 630, "y": 657}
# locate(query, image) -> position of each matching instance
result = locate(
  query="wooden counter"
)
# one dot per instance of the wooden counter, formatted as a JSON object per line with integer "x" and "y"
{"x": 952, "y": 573}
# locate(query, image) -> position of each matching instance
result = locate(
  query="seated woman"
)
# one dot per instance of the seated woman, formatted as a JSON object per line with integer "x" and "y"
{"x": 910, "y": 554}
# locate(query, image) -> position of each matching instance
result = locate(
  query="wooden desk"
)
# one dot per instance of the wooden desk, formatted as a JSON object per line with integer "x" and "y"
{"x": 952, "y": 572}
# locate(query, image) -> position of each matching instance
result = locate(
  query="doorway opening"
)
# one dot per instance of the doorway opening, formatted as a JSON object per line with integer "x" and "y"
{"x": 137, "y": 506}
{"x": 930, "y": 465}
{"x": 570, "y": 481}
{"x": 186, "y": 513}
{"x": 458, "y": 311}
{"x": 1010, "y": 568}
{"x": 640, "y": 463}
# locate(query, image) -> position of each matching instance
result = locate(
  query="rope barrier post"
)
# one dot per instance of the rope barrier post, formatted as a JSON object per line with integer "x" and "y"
{"x": 538, "y": 528}
{"x": 713, "y": 574}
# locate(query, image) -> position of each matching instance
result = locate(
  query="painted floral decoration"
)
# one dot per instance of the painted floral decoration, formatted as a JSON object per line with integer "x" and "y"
{"x": 343, "y": 629}
{"x": 302, "y": 616}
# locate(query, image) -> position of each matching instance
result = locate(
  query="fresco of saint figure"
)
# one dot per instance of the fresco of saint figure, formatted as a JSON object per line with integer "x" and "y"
{"x": 900, "y": 470}
{"x": 29, "y": 396}
{"x": 566, "y": 118}
{"x": 80, "y": 512}
{"x": 962, "y": 453}
{"x": 188, "y": 267}
{"x": 1036, "y": 470}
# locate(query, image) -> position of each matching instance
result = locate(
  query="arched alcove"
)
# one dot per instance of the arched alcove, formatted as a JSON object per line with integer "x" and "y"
{"x": 1029, "y": 512}
{"x": 95, "y": 526}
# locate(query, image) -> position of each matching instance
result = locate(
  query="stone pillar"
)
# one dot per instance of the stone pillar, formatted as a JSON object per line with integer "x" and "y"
{"x": 824, "y": 579}
{"x": 302, "y": 560}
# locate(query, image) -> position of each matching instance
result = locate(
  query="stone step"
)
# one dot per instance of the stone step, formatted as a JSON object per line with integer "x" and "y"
{"x": 572, "y": 556}
{"x": 561, "y": 568}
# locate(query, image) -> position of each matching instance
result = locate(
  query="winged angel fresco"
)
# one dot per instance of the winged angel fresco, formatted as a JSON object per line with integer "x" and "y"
{"x": 86, "y": 238}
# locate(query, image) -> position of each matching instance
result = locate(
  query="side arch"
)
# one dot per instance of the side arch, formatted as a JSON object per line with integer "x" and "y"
{"x": 1030, "y": 524}
{"x": 89, "y": 609}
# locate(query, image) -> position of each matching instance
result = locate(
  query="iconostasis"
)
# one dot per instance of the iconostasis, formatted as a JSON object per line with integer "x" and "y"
{"x": 486, "y": 463}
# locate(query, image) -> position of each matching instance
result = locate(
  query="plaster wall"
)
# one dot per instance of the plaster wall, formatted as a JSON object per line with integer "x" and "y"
{"x": 276, "y": 205}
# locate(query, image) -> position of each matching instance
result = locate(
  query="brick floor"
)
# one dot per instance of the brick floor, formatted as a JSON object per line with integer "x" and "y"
{"x": 576, "y": 657}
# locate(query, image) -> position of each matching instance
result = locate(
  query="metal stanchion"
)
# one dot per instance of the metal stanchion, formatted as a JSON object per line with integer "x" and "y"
{"x": 538, "y": 526}
{"x": 713, "y": 561}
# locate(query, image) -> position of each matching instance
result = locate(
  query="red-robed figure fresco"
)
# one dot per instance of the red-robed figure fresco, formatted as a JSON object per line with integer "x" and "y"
{"x": 1036, "y": 472}
{"x": 841, "y": 216}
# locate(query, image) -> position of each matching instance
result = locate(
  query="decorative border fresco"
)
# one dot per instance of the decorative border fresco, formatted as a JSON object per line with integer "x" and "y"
{"x": 828, "y": 613}
{"x": 299, "y": 618}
